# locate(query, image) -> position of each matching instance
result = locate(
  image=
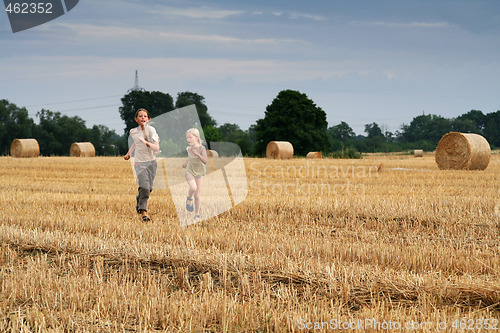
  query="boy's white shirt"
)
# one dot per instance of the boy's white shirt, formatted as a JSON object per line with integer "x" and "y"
{"x": 142, "y": 152}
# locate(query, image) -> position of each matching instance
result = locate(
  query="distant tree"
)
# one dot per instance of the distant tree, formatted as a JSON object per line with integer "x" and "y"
{"x": 14, "y": 124}
{"x": 373, "y": 131}
{"x": 492, "y": 128}
{"x": 155, "y": 102}
{"x": 465, "y": 126}
{"x": 233, "y": 133}
{"x": 342, "y": 132}
{"x": 187, "y": 98}
{"x": 293, "y": 117}
{"x": 248, "y": 141}
{"x": 429, "y": 127}
{"x": 106, "y": 142}
{"x": 375, "y": 138}
{"x": 212, "y": 134}
{"x": 230, "y": 132}
{"x": 477, "y": 118}
{"x": 342, "y": 136}
{"x": 56, "y": 133}
{"x": 245, "y": 144}
{"x": 389, "y": 136}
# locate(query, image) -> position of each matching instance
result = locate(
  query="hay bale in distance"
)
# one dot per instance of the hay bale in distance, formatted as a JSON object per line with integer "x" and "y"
{"x": 82, "y": 149}
{"x": 314, "y": 154}
{"x": 213, "y": 153}
{"x": 463, "y": 151}
{"x": 418, "y": 153}
{"x": 24, "y": 148}
{"x": 279, "y": 150}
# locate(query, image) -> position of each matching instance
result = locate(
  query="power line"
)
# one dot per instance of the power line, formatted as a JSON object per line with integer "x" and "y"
{"x": 73, "y": 101}
{"x": 90, "y": 108}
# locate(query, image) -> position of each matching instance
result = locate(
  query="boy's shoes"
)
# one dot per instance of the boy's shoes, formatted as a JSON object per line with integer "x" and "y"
{"x": 146, "y": 219}
{"x": 197, "y": 218}
{"x": 189, "y": 204}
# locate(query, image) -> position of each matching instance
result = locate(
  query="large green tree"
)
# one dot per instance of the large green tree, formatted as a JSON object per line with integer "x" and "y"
{"x": 155, "y": 102}
{"x": 187, "y": 98}
{"x": 295, "y": 118}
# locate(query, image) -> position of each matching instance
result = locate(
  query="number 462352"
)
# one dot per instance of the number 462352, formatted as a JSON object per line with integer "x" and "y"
{"x": 29, "y": 8}
{"x": 471, "y": 324}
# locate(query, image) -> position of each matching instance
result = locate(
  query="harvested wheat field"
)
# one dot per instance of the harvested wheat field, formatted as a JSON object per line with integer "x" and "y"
{"x": 386, "y": 243}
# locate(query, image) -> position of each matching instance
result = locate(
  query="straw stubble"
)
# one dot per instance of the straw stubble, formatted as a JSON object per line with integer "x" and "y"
{"x": 416, "y": 246}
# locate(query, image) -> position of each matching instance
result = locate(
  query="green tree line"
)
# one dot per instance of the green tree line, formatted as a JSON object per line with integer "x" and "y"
{"x": 55, "y": 132}
{"x": 291, "y": 116}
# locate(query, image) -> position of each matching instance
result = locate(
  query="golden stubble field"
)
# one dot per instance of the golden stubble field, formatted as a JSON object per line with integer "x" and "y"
{"x": 386, "y": 243}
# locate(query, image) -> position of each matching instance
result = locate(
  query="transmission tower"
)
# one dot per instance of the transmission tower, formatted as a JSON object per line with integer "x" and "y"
{"x": 136, "y": 83}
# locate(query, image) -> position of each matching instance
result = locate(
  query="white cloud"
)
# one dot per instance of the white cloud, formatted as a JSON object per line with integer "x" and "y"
{"x": 402, "y": 24}
{"x": 224, "y": 39}
{"x": 208, "y": 70}
{"x": 105, "y": 33}
{"x": 195, "y": 12}
{"x": 308, "y": 16}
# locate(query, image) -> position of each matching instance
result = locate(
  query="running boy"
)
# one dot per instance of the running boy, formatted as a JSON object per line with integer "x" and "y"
{"x": 146, "y": 144}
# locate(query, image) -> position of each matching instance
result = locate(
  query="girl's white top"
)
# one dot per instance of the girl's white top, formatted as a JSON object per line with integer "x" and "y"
{"x": 142, "y": 152}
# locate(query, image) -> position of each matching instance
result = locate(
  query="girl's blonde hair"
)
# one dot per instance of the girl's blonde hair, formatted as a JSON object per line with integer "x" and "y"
{"x": 195, "y": 132}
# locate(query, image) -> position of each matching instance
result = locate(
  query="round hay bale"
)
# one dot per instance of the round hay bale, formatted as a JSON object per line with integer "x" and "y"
{"x": 314, "y": 154}
{"x": 463, "y": 151}
{"x": 24, "y": 148}
{"x": 418, "y": 153}
{"x": 82, "y": 149}
{"x": 213, "y": 153}
{"x": 279, "y": 150}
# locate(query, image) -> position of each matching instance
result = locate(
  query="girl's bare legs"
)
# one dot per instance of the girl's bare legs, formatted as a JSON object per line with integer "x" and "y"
{"x": 192, "y": 185}
{"x": 197, "y": 195}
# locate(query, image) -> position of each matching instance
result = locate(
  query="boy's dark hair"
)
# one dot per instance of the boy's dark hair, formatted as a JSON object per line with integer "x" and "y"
{"x": 142, "y": 109}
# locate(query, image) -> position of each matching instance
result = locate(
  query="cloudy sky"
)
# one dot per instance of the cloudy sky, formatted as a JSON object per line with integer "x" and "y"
{"x": 383, "y": 61}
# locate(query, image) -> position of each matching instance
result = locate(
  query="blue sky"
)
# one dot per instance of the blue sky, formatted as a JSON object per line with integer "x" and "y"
{"x": 360, "y": 61}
